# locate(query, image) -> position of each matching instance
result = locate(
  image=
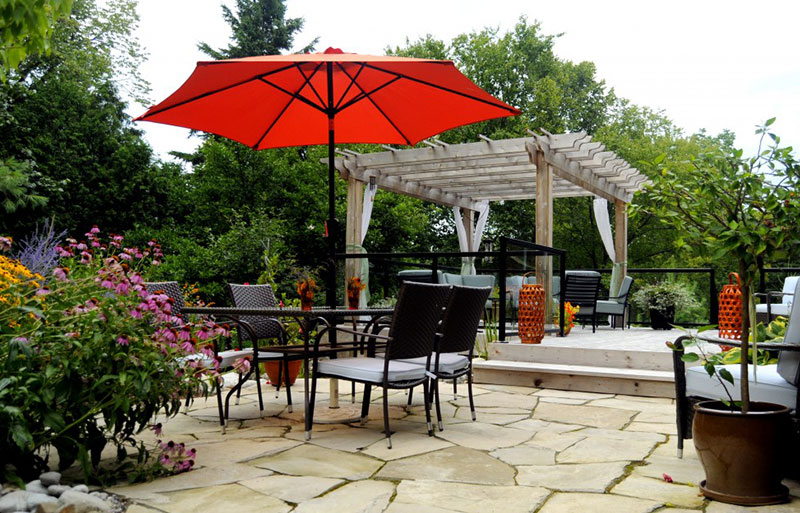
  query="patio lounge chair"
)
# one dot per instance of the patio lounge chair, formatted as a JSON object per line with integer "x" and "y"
{"x": 411, "y": 335}
{"x": 785, "y": 297}
{"x": 456, "y": 337}
{"x": 777, "y": 383}
{"x": 617, "y": 306}
{"x": 581, "y": 289}
{"x": 262, "y": 328}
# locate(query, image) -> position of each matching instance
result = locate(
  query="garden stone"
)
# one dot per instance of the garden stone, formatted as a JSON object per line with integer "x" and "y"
{"x": 69, "y": 508}
{"x": 50, "y": 478}
{"x": 81, "y": 488}
{"x": 100, "y": 495}
{"x": 83, "y": 502}
{"x": 57, "y": 490}
{"x": 14, "y": 501}
{"x": 48, "y": 507}
{"x": 35, "y": 486}
{"x": 34, "y": 499}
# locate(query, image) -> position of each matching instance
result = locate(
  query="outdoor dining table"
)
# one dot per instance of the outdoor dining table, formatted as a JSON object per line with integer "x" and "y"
{"x": 307, "y": 319}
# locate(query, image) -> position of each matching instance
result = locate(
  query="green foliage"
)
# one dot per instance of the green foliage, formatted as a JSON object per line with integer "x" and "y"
{"x": 16, "y": 189}
{"x": 259, "y": 27}
{"x": 26, "y": 27}
{"x": 85, "y": 361}
{"x": 664, "y": 296}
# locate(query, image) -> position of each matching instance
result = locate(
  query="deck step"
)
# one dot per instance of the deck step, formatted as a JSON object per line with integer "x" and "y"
{"x": 582, "y": 356}
{"x": 584, "y": 378}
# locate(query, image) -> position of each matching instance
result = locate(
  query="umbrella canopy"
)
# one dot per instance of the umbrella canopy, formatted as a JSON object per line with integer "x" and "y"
{"x": 333, "y": 97}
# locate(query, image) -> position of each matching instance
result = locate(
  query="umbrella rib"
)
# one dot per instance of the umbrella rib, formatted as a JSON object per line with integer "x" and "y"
{"x": 308, "y": 81}
{"x": 447, "y": 89}
{"x": 209, "y": 93}
{"x": 379, "y": 109}
{"x": 293, "y": 96}
{"x": 349, "y": 86}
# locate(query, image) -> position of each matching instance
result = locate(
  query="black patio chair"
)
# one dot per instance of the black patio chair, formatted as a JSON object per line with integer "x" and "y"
{"x": 411, "y": 335}
{"x": 456, "y": 337}
{"x": 260, "y": 327}
{"x": 581, "y": 289}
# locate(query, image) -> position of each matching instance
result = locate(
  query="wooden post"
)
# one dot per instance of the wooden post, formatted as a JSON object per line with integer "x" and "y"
{"x": 468, "y": 220}
{"x": 544, "y": 225}
{"x": 621, "y": 242}
{"x": 355, "y": 206}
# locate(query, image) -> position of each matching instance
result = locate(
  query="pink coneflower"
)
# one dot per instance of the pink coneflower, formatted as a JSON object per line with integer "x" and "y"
{"x": 126, "y": 256}
{"x": 187, "y": 346}
{"x": 157, "y": 429}
{"x": 203, "y": 333}
{"x": 185, "y": 333}
{"x": 136, "y": 313}
{"x": 136, "y": 279}
{"x": 94, "y": 230}
{"x": 122, "y": 340}
{"x": 122, "y": 287}
{"x": 82, "y": 246}
{"x": 241, "y": 365}
{"x": 42, "y": 291}
{"x": 60, "y": 273}
{"x": 95, "y": 244}
{"x": 106, "y": 283}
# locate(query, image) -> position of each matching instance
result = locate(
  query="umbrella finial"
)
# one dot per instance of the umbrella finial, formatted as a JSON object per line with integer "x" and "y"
{"x": 331, "y": 49}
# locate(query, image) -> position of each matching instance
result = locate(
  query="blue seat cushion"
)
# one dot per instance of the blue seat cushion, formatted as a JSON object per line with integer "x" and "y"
{"x": 771, "y": 387}
{"x": 610, "y": 307}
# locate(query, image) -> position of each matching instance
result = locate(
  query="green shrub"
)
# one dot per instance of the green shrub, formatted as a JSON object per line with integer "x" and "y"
{"x": 87, "y": 357}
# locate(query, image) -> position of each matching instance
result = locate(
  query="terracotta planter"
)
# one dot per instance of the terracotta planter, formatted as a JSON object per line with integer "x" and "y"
{"x": 662, "y": 320}
{"x": 744, "y": 455}
{"x": 306, "y": 302}
{"x": 271, "y": 369}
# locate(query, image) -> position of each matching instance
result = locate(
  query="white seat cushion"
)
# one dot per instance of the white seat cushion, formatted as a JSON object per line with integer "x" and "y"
{"x": 771, "y": 387}
{"x": 448, "y": 362}
{"x": 371, "y": 369}
{"x": 775, "y": 308}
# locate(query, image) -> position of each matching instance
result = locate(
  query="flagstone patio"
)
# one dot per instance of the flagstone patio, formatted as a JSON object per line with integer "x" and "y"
{"x": 530, "y": 450}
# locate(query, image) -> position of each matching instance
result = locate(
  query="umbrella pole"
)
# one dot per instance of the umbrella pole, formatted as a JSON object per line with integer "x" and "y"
{"x": 332, "y": 227}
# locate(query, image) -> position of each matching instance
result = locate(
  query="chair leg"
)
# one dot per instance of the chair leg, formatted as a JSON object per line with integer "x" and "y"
{"x": 365, "y": 403}
{"x": 219, "y": 407}
{"x": 281, "y": 379}
{"x": 455, "y": 389}
{"x": 386, "y": 418}
{"x": 439, "y": 424}
{"x": 410, "y": 393}
{"x": 288, "y": 386}
{"x": 425, "y": 385}
{"x": 353, "y": 392}
{"x": 311, "y": 401}
{"x": 238, "y": 390}
{"x": 258, "y": 387}
{"x": 469, "y": 391}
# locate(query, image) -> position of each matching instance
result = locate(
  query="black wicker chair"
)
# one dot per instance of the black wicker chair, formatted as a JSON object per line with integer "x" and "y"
{"x": 412, "y": 334}
{"x": 777, "y": 383}
{"x": 581, "y": 289}
{"x": 456, "y": 336}
{"x": 262, "y": 328}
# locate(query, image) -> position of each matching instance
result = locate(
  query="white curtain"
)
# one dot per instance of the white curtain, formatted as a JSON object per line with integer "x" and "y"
{"x": 363, "y": 265}
{"x": 468, "y": 263}
{"x": 604, "y": 227}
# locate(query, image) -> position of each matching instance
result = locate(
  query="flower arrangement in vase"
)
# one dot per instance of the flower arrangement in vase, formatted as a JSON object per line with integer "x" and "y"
{"x": 569, "y": 316}
{"x": 306, "y": 285}
{"x": 354, "y": 288}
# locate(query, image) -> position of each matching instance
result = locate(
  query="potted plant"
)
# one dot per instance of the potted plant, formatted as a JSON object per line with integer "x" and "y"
{"x": 662, "y": 300}
{"x": 746, "y": 210}
{"x": 569, "y": 315}
{"x": 306, "y": 286}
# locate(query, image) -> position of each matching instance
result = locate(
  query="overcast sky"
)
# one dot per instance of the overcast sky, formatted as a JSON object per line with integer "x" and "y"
{"x": 707, "y": 64}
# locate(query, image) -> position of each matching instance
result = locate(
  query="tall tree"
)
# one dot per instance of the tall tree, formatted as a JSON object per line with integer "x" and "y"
{"x": 259, "y": 27}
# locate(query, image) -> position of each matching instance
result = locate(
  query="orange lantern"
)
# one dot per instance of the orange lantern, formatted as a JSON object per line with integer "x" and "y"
{"x": 531, "y": 313}
{"x": 730, "y": 309}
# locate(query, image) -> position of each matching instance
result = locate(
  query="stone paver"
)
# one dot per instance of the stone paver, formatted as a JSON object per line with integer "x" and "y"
{"x": 467, "y": 498}
{"x": 295, "y": 489}
{"x": 659, "y": 490}
{"x": 486, "y": 437}
{"x": 309, "y": 460}
{"x": 583, "y": 502}
{"x": 548, "y": 451}
{"x": 357, "y": 497}
{"x": 588, "y": 477}
{"x": 720, "y": 507}
{"x": 595, "y": 450}
{"x": 456, "y": 464}
{"x": 597, "y": 416}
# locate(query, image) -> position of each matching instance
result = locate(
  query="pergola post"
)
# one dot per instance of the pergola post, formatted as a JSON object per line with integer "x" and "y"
{"x": 544, "y": 224}
{"x": 468, "y": 220}
{"x": 621, "y": 242}
{"x": 355, "y": 210}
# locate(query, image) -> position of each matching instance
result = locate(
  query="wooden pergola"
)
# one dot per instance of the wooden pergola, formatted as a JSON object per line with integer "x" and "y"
{"x": 540, "y": 167}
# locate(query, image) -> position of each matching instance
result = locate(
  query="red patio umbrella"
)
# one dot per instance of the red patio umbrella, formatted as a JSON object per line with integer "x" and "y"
{"x": 333, "y": 97}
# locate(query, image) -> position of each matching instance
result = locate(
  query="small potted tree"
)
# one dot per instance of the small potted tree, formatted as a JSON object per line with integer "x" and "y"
{"x": 662, "y": 300}
{"x": 745, "y": 209}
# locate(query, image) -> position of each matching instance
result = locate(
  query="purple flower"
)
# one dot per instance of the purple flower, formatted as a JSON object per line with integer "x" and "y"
{"x": 95, "y": 244}
{"x": 157, "y": 429}
{"x": 187, "y": 346}
{"x": 241, "y": 365}
{"x": 42, "y": 291}
{"x": 122, "y": 287}
{"x": 94, "y": 229}
{"x": 136, "y": 313}
{"x": 60, "y": 273}
{"x": 203, "y": 333}
{"x": 136, "y": 279}
{"x": 122, "y": 340}
{"x": 185, "y": 333}
{"x": 107, "y": 283}
{"x": 81, "y": 246}
{"x": 125, "y": 256}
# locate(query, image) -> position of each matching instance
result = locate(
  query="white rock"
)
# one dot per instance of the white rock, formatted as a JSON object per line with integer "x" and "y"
{"x": 57, "y": 490}
{"x": 83, "y": 502}
{"x": 14, "y": 501}
{"x": 50, "y": 478}
{"x": 34, "y": 499}
{"x": 36, "y": 486}
{"x": 81, "y": 488}
{"x": 100, "y": 495}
